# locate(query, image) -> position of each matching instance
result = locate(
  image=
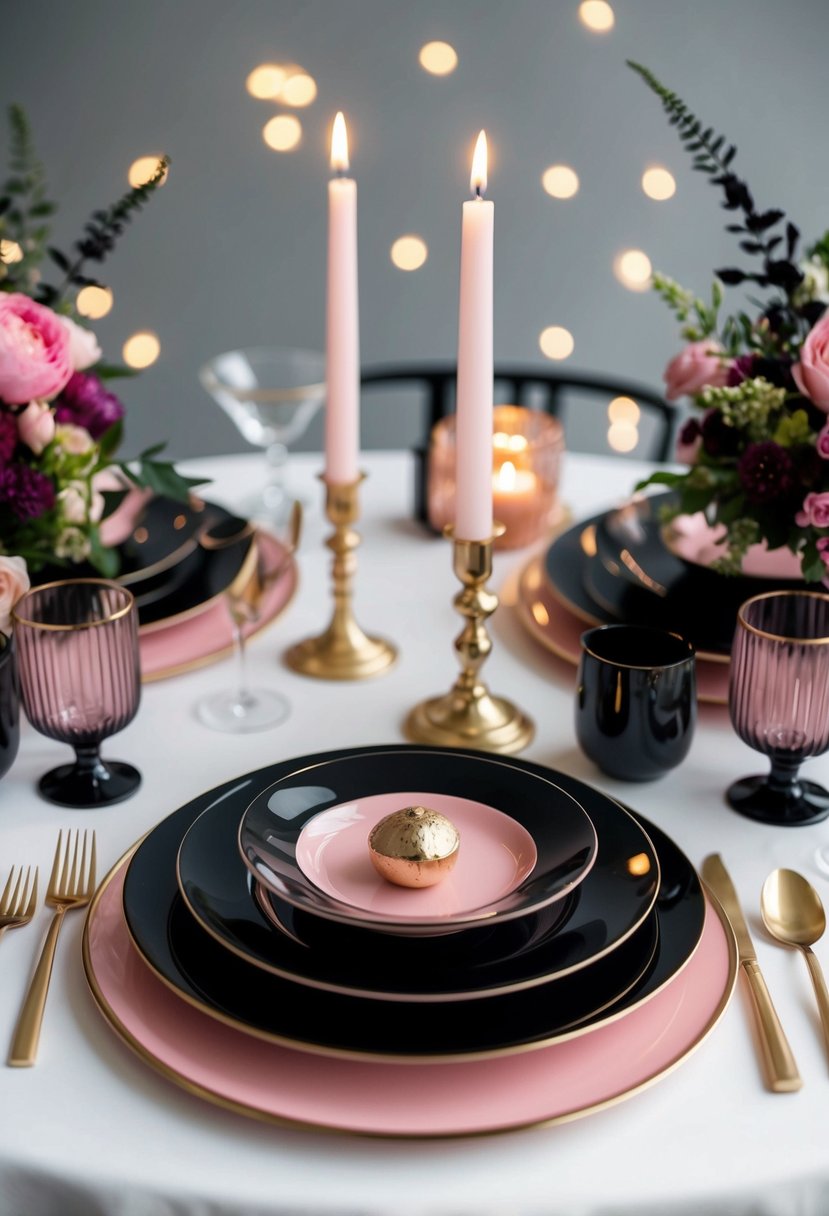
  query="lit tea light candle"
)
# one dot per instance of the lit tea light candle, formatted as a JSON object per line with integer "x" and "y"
{"x": 473, "y": 504}
{"x": 342, "y": 373}
{"x": 514, "y": 505}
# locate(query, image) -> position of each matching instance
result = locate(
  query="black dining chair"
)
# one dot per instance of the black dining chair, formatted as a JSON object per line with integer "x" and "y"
{"x": 426, "y": 393}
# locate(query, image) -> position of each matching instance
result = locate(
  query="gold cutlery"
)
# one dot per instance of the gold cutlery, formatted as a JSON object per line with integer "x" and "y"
{"x": 18, "y": 901}
{"x": 779, "y": 1063}
{"x": 71, "y": 885}
{"x": 793, "y": 913}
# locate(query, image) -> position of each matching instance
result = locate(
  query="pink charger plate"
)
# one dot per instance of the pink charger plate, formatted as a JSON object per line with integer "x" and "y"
{"x": 553, "y": 1084}
{"x": 208, "y": 636}
{"x": 559, "y": 629}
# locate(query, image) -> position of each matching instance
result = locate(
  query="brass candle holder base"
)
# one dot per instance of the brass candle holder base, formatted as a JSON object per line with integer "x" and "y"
{"x": 469, "y": 715}
{"x": 343, "y": 651}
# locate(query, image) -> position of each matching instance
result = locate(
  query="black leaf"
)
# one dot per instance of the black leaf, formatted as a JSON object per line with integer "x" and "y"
{"x": 752, "y": 247}
{"x": 792, "y": 237}
{"x": 59, "y": 259}
{"x": 731, "y": 277}
{"x": 784, "y": 274}
{"x": 768, "y": 219}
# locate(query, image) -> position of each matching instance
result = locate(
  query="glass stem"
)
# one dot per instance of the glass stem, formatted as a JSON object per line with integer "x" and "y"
{"x": 88, "y": 761}
{"x": 783, "y": 777}
{"x": 243, "y": 696}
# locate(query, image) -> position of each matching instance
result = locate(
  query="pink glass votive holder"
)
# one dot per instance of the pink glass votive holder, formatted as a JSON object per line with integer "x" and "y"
{"x": 527, "y": 447}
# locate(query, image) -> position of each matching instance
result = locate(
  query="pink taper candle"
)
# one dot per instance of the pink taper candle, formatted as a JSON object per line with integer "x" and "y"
{"x": 342, "y": 413}
{"x": 473, "y": 442}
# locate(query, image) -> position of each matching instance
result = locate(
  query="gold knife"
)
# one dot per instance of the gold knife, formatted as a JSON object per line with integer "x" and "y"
{"x": 778, "y": 1060}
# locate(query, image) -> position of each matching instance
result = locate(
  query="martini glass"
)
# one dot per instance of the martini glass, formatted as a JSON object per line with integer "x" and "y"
{"x": 271, "y": 394}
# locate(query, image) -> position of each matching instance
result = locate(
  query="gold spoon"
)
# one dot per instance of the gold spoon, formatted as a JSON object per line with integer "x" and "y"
{"x": 792, "y": 912}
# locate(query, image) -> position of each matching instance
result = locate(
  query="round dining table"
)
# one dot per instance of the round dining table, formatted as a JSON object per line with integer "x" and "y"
{"x": 91, "y": 1129}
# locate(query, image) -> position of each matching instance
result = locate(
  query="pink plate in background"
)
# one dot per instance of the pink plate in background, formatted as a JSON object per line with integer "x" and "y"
{"x": 205, "y": 637}
{"x": 556, "y": 1083}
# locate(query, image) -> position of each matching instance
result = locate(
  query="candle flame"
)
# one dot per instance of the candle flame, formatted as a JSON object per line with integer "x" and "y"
{"x": 477, "y": 181}
{"x": 506, "y": 476}
{"x": 339, "y": 144}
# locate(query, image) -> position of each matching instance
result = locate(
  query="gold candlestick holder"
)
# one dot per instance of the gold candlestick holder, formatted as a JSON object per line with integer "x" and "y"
{"x": 469, "y": 715}
{"x": 343, "y": 651}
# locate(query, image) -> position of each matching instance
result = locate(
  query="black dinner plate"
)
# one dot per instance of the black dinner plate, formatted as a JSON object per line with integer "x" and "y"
{"x": 277, "y": 818}
{"x": 206, "y": 974}
{"x": 602, "y": 912}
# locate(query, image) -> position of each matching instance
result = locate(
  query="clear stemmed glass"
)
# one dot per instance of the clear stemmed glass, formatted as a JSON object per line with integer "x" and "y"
{"x": 271, "y": 394}
{"x": 779, "y": 702}
{"x": 242, "y": 708}
{"x": 80, "y": 682}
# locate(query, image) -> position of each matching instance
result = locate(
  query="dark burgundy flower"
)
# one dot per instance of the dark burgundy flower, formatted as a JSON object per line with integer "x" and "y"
{"x": 690, "y": 432}
{"x": 717, "y": 438}
{"x": 766, "y": 472}
{"x": 741, "y": 369}
{"x": 85, "y": 402}
{"x": 777, "y": 371}
{"x": 8, "y": 436}
{"x": 27, "y": 491}
{"x": 808, "y": 464}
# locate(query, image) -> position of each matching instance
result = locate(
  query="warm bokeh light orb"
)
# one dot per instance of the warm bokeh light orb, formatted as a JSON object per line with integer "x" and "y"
{"x": 556, "y": 342}
{"x": 560, "y": 181}
{"x": 10, "y": 252}
{"x": 141, "y": 170}
{"x": 282, "y": 133}
{"x": 633, "y": 269}
{"x": 299, "y": 90}
{"x": 622, "y": 436}
{"x": 94, "y": 302}
{"x": 438, "y": 58}
{"x": 597, "y": 15}
{"x": 623, "y": 409}
{"x": 658, "y": 183}
{"x": 265, "y": 82}
{"x": 409, "y": 252}
{"x": 141, "y": 350}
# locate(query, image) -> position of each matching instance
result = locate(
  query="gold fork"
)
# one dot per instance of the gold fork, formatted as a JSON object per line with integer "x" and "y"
{"x": 71, "y": 885}
{"x": 17, "y": 903}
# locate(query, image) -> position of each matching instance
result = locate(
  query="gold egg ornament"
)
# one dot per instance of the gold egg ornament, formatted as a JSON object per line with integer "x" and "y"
{"x": 414, "y": 847}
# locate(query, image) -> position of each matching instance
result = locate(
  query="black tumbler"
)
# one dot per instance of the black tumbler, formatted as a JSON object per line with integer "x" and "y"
{"x": 636, "y": 703}
{"x": 9, "y": 704}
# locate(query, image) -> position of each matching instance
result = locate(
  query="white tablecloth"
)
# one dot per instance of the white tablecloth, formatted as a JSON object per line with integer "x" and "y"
{"x": 91, "y": 1129}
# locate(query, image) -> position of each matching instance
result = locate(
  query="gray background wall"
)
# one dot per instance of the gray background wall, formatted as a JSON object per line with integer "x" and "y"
{"x": 231, "y": 252}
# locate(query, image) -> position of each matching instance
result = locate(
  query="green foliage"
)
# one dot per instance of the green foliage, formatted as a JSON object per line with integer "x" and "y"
{"x": 24, "y": 207}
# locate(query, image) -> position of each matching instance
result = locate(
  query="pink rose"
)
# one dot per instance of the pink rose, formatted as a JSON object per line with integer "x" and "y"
{"x": 14, "y": 582}
{"x": 811, "y": 374}
{"x": 686, "y": 453}
{"x": 83, "y": 345}
{"x": 35, "y": 357}
{"x": 700, "y": 365}
{"x": 823, "y": 442}
{"x": 815, "y": 512}
{"x": 36, "y": 426}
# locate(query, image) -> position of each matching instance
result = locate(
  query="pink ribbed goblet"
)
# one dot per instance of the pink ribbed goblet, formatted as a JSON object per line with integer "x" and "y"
{"x": 779, "y": 702}
{"x": 80, "y": 682}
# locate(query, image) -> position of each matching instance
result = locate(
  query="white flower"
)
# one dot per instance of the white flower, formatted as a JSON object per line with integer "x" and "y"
{"x": 74, "y": 439}
{"x": 83, "y": 345}
{"x": 72, "y": 500}
{"x": 815, "y": 285}
{"x": 14, "y": 582}
{"x": 73, "y": 544}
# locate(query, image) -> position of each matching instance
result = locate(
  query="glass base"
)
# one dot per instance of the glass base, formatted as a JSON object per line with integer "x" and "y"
{"x": 258, "y": 709}
{"x": 106, "y": 783}
{"x": 753, "y": 797}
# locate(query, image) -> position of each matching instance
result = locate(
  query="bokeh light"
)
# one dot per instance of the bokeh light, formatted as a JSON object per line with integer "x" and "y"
{"x": 624, "y": 409}
{"x": 597, "y": 15}
{"x": 439, "y": 58}
{"x": 622, "y": 436}
{"x": 560, "y": 181}
{"x": 265, "y": 82}
{"x": 658, "y": 183}
{"x": 299, "y": 90}
{"x": 282, "y": 133}
{"x": 141, "y": 170}
{"x": 633, "y": 269}
{"x": 409, "y": 252}
{"x": 94, "y": 302}
{"x": 142, "y": 349}
{"x": 556, "y": 342}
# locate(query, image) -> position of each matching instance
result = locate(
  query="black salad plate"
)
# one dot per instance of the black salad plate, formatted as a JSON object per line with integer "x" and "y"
{"x": 274, "y": 824}
{"x": 603, "y": 911}
{"x": 225, "y": 986}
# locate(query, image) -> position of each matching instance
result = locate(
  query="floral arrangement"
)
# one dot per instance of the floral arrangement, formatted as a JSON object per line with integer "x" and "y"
{"x": 757, "y": 441}
{"x": 61, "y": 425}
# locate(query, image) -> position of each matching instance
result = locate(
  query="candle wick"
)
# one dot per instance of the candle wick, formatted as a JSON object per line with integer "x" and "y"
{"x": 478, "y": 191}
